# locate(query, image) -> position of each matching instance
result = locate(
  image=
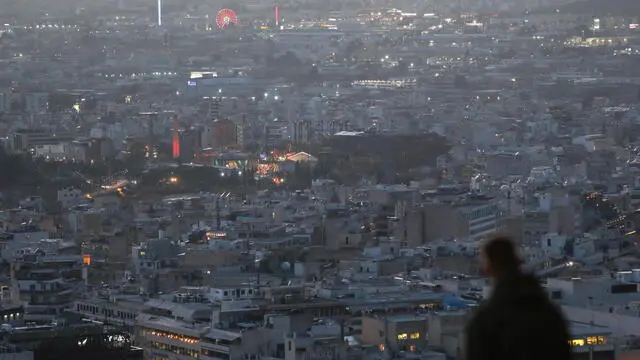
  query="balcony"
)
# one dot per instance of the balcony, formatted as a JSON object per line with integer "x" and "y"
{"x": 48, "y": 287}
{"x": 29, "y": 274}
{"x": 60, "y": 298}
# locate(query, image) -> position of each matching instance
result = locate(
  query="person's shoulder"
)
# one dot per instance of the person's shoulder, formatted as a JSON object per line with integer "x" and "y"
{"x": 481, "y": 315}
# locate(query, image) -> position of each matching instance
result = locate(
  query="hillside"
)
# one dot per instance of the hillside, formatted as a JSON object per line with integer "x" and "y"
{"x": 600, "y": 7}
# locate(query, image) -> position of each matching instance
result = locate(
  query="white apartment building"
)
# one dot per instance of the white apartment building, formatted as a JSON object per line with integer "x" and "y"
{"x": 47, "y": 284}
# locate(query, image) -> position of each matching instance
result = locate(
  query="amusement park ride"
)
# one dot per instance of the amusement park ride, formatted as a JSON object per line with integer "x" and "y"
{"x": 224, "y": 18}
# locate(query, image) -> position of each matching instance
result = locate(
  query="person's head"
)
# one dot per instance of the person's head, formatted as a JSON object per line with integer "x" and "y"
{"x": 499, "y": 257}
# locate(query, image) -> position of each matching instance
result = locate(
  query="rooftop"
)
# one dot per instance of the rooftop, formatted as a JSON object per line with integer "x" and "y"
{"x": 170, "y": 325}
{"x": 582, "y": 329}
{"x": 406, "y": 317}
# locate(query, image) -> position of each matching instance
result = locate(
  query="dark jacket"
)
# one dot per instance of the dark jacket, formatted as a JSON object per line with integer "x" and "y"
{"x": 518, "y": 322}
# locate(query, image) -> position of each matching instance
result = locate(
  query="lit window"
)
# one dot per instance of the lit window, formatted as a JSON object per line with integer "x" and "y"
{"x": 596, "y": 340}
{"x": 402, "y": 336}
{"x": 577, "y": 342}
{"x": 172, "y": 336}
{"x": 381, "y": 347}
{"x": 414, "y": 336}
{"x": 412, "y": 348}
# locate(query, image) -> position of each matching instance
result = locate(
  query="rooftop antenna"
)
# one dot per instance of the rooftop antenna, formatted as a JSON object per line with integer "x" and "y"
{"x": 218, "y": 216}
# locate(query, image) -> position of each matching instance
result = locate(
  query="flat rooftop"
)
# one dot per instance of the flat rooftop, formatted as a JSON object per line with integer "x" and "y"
{"x": 582, "y": 329}
{"x": 406, "y": 318}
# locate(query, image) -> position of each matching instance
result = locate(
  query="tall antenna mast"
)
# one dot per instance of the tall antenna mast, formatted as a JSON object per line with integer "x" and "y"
{"x": 159, "y": 12}
{"x": 176, "y": 138}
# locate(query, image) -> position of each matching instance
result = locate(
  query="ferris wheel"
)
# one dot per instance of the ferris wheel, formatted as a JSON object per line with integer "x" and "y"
{"x": 225, "y": 18}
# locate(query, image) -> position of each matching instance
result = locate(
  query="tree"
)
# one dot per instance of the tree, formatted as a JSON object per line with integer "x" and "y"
{"x": 16, "y": 170}
{"x": 587, "y": 102}
{"x": 60, "y": 101}
{"x": 460, "y": 81}
{"x": 353, "y": 47}
{"x": 302, "y": 176}
{"x": 403, "y": 67}
{"x": 287, "y": 60}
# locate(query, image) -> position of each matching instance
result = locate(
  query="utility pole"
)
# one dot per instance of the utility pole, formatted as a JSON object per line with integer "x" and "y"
{"x": 386, "y": 329}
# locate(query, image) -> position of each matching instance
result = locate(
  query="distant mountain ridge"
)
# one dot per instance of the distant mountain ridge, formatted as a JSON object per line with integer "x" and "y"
{"x": 601, "y": 7}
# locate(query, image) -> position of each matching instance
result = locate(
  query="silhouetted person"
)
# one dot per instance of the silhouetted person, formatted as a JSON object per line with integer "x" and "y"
{"x": 517, "y": 321}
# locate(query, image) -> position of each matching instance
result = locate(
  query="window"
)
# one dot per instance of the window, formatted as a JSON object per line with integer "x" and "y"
{"x": 172, "y": 336}
{"x": 412, "y": 348}
{"x": 577, "y": 342}
{"x": 214, "y": 354}
{"x": 381, "y": 347}
{"x": 624, "y": 288}
{"x": 596, "y": 340}
{"x": 414, "y": 336}
{"x": 402, "y": 336}
{"x": 290, "y": 344}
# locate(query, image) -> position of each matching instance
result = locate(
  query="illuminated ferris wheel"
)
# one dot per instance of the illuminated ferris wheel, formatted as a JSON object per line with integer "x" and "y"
{"x": 225, "y": 18}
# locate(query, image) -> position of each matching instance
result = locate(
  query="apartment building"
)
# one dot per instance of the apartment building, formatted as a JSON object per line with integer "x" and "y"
{"x": 47, "y": 282}
{"x": 472, "y": 218}
{"x": 397, "y": 332}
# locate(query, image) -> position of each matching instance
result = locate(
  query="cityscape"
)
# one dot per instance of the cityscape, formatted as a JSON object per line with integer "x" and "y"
{"x": 312, "y": 180}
